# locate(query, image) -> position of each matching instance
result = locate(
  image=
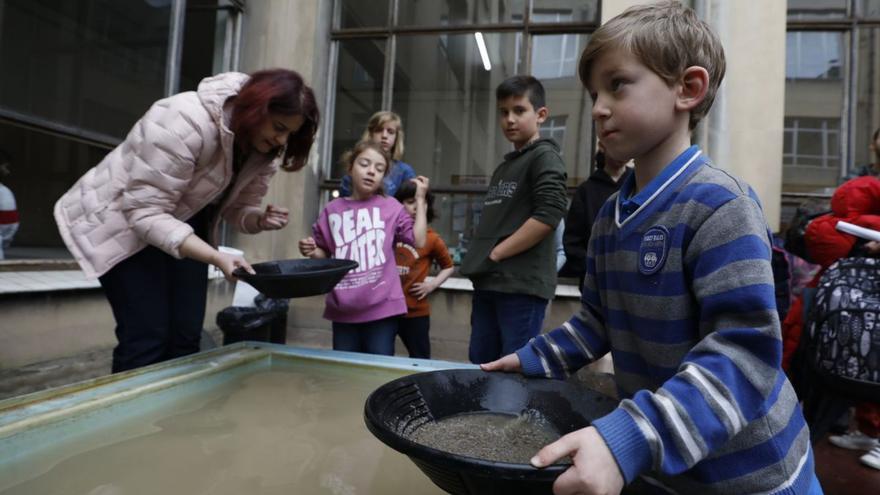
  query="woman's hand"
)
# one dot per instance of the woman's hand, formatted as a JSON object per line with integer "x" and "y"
{"x": 274, "y": 218}
{"x": 509, "y": 363}
{"x": 872, "y": 248}
{"x": 594, "y": 468}
{"x": 227, "y": 263}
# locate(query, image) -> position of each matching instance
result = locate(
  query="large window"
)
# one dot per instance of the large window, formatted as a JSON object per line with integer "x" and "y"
{"x": 77, "y": 75}
{"x": 832, "y": 105}
{"x": 426, "y": 63}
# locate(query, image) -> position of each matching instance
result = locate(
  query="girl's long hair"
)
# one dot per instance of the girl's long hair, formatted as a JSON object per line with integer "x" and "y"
{"x": 277, "y": 91}
{"x": 377, "y": 122}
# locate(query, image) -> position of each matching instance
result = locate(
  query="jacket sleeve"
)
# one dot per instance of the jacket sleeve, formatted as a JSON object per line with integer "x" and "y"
{"x": 732, "y": 376}
{"x": 577, "y": 232}
{"x": 322, "y": 234}
{"x": 164, "y": 147}
{"x": 249, "y": 200}
{"x": 548, "y": 177}
{"x": 578, "y": 342}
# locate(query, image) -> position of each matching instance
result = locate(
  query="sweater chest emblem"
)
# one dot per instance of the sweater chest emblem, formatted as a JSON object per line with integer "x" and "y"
{"x": 653, "y": 250}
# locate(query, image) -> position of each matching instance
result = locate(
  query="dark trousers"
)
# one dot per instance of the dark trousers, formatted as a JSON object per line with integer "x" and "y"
{"x": 158, "y": 302}
{"x": 371, "y": 337}
{"x": 501, "y": 323}
{"x": 414, "y": 334}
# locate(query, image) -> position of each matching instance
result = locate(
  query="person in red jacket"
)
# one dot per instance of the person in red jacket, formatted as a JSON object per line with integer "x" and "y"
{"x": 856, "y": 201}
{"x": 8, "y": 208}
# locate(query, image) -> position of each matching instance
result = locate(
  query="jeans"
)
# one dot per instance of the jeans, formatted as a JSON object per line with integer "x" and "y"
{"x": 501, "y": 323}
{"x": 371, "y": 337}
{"x": 158, "y": 303}
{"x": 414, "y": 334}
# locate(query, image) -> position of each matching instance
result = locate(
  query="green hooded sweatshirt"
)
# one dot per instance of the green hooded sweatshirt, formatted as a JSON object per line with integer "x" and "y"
{"x": 530, "y": 183}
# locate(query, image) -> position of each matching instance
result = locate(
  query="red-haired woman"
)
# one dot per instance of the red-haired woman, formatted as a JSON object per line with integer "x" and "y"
{"x": 144, "y": 220}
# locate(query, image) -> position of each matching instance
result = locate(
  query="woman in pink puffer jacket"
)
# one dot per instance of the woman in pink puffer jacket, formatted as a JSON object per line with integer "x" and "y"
{"x": 144, "y": 220}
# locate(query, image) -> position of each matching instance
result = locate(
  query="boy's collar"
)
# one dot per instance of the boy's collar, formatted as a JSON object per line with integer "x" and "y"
{"x": 629, "y": 202}
{"x": 515, "y": 153}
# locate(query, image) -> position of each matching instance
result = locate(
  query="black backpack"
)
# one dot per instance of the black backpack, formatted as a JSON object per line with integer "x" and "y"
{"x": 795, "y": 236}
{"x": 843, "y": 328}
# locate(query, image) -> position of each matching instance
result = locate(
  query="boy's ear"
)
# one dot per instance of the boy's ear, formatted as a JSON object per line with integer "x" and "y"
{"x": 693, "y": 85}
{"x": 543, "y": 113}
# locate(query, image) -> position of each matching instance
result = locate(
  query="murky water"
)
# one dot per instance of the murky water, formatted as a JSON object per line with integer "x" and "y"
{"x": 490, "y": 436}
{"x": 286, "y": 431}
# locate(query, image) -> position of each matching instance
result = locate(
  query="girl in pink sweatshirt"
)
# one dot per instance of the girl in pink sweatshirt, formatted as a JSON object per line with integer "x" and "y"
{"x": 365, "y": 227}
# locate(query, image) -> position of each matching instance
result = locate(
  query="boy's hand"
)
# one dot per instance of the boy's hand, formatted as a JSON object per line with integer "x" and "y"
{"x": 421, "y": 289}
{"x": 308, "y": 246}
{"x": 594, "y": 471}
{"x": 422, "y": 183}
{"x": 274, "y": 218}
{"x": 509, "y": 363}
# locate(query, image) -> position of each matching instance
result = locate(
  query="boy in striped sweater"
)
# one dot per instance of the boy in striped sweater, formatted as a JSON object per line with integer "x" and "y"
{"x": 679, "y": 289}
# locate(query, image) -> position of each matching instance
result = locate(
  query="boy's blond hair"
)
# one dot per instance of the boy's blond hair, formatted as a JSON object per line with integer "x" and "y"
{"x": 667, "y": 37}
{"x": 377, "y": 123}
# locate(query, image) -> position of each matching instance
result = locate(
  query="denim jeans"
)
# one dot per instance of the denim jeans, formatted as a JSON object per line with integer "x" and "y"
{"x": 158, "y": 303}
{"x": 501, "y": 323}
{"x": 414, "y": 334}
{"x": 371, "y": 337}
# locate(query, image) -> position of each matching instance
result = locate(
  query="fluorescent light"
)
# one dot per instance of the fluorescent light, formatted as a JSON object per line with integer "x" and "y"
{"x": 484, "y": 54}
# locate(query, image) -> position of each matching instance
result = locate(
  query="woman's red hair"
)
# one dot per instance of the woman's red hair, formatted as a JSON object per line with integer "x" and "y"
{"x": 277, "y": 91}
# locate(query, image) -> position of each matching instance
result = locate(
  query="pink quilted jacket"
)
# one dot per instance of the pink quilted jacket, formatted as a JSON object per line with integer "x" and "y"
{"x": 176, "y": 160}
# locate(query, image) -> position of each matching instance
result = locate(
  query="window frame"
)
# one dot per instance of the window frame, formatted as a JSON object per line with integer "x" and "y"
{"x": 390, "y": 33}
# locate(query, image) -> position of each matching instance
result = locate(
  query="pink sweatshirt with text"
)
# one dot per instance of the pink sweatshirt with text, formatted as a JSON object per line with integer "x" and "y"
{"x": 364, "y": 231}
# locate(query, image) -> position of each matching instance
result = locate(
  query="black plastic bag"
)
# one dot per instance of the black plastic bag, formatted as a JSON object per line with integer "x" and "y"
{"x": 266, "y": 322}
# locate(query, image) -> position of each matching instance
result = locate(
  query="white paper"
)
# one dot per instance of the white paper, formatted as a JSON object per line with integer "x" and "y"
{"x": 869, "y": 234}
{"x": 244, "y": 294}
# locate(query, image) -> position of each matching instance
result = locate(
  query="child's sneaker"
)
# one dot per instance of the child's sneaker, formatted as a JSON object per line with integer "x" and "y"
{"x": 872, "y": 458}
{"x": 854, "y": 440}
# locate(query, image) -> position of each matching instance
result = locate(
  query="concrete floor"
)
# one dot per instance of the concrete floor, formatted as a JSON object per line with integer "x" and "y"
{"x": 841, "y": 473}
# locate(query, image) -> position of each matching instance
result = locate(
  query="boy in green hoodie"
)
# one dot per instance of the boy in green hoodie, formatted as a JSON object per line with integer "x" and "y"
{"x": 512, "y": 260}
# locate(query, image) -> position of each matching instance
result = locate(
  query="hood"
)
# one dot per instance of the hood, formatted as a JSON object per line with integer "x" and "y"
{"x": 540, "y": 143}
{"x": 215, "y": 90}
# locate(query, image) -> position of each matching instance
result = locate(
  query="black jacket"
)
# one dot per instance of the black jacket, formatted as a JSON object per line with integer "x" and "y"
{"x": 585, "y": 205}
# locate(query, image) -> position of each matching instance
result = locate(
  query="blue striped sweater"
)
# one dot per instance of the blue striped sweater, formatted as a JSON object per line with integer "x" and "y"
{"x": 679, "y": 289}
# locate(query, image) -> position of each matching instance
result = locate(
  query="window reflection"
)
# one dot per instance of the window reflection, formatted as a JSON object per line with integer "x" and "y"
{"x": 447, "y": 101}
{"x": 869, "y": 8}
{"x": 577, "y": 10}
{"x": 96, "y": 64}
{"x": 458, "y": 12}
{"x": 358, "y": 13}
{"x": 816, "y": 9}
{"x": 867, "y": 95}
{"x": 358, "y": 93}
{"x": 42, "y": 168}
{"x": 814, "y": 103}
{"x": 813, "y": 55}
